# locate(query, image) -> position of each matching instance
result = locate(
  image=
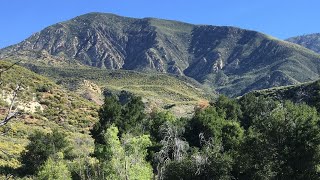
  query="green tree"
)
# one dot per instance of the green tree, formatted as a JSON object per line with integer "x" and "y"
{"x": 230, "y": 107}
{"x": 210, "y": 163}
{"x": 41, "y": 147}
{"x": 54, "y": 170}
{"x": 283, "y": 144}
{"x": 125, "y": 158}
{"x": 132, "y": 115}
{"x": 253, "y": 107}
{"x": 207, "y": 122}
{"x": 126, "y": 117}
{"x": 232, "y": 135}
{"x": 154, "y": 123}
{"x": 109, "y": 113}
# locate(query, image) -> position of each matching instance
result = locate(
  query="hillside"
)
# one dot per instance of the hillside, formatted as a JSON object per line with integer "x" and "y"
{"x": 45, "y": 106}
{"x": 308, "y": 93}
{"x": 310, "y": 41}
{"x": 229, "y": 60}
{"x": 159, "y": 91}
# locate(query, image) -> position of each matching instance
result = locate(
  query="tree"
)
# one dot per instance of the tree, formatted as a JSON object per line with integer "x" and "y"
{"x": 283, "y": 144}
{"x": 230, "y": 107}
{"x": 126, "y": 117}
{"x": 125, "y": 158}
{"x": 211, "y": 162}
{"x": 109, "y": 113}
{"x": 253, "y": 107}
{"x": 41, "y": 147}
{"x": 207, "y": 122}
{"x": 54, "y": 170}
{"x": 155, "y": 122}
{"x": 173, "y": 147}
{"x": 132, "y": 115}
{"x": 12, "y": 113}
{"x": 232, "y": 136}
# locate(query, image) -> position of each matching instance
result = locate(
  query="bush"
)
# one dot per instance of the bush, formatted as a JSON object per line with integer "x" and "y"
{"x": 53, "y": 170}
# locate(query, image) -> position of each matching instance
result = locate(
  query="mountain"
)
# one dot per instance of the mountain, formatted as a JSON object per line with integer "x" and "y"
{"x": 230, "y": 60}
{"x": 310, "y": 41}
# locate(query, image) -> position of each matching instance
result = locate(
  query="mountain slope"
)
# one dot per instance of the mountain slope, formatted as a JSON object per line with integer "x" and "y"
{"x": 158, "y": 90}
{"x": 230, "y": 60}
{"x": 45, "y": 106}
{"x": 308, "y": 93}
{"x": 310, "y": 41}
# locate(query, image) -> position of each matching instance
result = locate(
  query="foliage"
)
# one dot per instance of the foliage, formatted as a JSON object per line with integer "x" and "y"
{"x": 109, "y": 113}
{"x": 286, "y": 141}
{"x": 230, "y": 107}
{"x": 127, "y": 117}
{"x": 207, "y": 122}
{"x": 124, "y": 159}
{"x": 173, "y": 147}
{"x": 41, "y": 147}
{"x": 54, "y": 170}
{"x": 156, "y": 120}
{"x": 258, "y": 136}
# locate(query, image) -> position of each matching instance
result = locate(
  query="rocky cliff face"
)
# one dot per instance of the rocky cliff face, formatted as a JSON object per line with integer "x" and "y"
{"x": 113, "y": 42}
{"x": 231, "y": 60}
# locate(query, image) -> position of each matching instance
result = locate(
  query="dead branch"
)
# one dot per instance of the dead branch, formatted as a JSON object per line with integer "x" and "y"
{"x": 11, "y": 113}
{"x": 6, "y": 69}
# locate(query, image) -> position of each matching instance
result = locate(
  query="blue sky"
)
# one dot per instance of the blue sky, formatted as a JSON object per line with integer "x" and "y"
{"x": 280, "y": 18}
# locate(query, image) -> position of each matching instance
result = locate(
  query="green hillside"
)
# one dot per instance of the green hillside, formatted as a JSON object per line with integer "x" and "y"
{"x": 158, "y": 90}
{"x": 308, "y": 93}
{"x": 45, "y": 106}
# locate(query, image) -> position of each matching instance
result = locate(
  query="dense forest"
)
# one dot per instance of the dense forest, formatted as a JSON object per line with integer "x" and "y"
{"x": 252, "y": 137}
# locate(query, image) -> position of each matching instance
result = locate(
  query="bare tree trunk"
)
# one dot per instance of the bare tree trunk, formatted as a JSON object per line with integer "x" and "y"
{"x": 11, "y": 113}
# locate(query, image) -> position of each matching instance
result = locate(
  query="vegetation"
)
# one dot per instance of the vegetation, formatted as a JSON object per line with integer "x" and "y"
{"x": 42, "y": 147}
{"x": 177, "y": 94}
{"x": 44, "y": 107}
{"x": 254, "y": 137}
{"x": 308, "y": 93}
{"x": 262, "y": 135}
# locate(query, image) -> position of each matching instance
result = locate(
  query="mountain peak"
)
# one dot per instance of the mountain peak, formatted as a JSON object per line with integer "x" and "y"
{"x": 229, "y": 59}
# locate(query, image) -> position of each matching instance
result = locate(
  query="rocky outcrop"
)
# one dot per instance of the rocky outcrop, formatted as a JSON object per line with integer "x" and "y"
{"x": 231, "y": 60}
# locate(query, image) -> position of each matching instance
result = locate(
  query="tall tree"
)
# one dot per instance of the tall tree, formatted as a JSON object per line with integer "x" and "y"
{"x": 109, "y": 113}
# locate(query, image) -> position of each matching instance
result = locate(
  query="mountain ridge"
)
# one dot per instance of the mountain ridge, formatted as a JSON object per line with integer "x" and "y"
{"x": 310, "y": 41}
{"x": 231, "y": 60}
